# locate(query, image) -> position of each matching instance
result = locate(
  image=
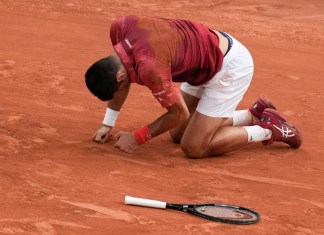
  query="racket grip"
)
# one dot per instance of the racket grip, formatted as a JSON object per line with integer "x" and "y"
{"x": 144, "y": 202}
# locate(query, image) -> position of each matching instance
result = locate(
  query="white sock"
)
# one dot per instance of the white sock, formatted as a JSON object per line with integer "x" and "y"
{"x": 257, "y": 133}
{"x": 242, "y": 118}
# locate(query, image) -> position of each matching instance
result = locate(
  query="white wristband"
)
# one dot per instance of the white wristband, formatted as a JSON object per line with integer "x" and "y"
{"x": 110, "y": 117}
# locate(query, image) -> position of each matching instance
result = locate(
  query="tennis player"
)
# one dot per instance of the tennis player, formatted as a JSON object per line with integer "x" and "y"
{"x": 215, "y": 71}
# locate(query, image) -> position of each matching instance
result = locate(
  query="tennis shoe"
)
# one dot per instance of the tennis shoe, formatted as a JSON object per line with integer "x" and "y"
{"x": 282, "y": 131}
{"x": 260, "y": 105}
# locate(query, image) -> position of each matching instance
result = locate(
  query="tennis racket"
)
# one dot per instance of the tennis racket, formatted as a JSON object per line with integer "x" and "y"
{"x": 215, "y": 212}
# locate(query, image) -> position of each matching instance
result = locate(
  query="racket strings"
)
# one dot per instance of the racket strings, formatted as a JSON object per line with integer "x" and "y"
{"x": 225, "y": 212}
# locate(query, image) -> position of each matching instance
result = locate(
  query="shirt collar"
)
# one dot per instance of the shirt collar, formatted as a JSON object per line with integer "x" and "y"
{"x": 124, "y": 53}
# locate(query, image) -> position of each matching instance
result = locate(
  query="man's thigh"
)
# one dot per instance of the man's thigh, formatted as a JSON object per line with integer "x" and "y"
{"x": 200, "y": 131}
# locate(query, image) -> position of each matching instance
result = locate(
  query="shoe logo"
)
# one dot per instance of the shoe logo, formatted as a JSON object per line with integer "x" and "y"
{"x": 285, "y": 133}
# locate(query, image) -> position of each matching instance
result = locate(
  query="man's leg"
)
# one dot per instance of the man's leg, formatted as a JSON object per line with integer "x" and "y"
{"x": 247, "y": 117}
{"x": 207, "y": 136}
{"x": 191, "y": 102}
{"x": 227, "y": 138}
{"x": 199, "y": 141}
{"x": 240, "y": 118}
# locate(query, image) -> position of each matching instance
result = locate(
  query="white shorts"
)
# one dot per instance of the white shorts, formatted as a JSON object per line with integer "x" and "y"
{"x": 220, "y": 96}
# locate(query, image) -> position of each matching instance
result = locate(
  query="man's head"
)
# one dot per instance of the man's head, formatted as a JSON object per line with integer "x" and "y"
{"x": 101, "y": 77}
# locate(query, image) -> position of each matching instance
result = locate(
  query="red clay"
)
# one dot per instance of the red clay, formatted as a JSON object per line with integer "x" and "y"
{"x": 55, "y": 180}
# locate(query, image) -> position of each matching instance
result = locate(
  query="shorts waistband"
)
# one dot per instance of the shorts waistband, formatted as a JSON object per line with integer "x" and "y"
{"x": 230, "y": 41}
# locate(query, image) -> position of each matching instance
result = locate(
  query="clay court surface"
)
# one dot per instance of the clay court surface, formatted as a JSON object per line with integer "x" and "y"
{"x": 55, "y": 180}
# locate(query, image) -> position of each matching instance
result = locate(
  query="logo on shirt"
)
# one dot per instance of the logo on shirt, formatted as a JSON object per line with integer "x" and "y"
{"x": 128, "y": 43}
{"x": 159, "y": 93}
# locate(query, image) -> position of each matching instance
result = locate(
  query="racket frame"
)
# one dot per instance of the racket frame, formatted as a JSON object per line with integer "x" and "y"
{"x": 191, "y": 209}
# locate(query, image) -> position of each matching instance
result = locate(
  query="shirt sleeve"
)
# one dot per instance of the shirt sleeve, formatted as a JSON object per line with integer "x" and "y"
{"x": 157, "y": 77}
{"x": 168, "y": 95}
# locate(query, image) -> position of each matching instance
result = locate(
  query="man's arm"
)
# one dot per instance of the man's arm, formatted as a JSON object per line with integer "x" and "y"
{"x": 177, "y": 113}
{"x": 104, "y": 132}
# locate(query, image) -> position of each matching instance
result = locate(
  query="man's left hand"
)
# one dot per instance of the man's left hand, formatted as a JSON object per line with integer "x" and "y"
{"x": 125, "y": 142}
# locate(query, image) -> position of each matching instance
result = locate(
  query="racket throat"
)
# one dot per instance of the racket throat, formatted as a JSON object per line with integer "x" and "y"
{"x": 178, "y": 207}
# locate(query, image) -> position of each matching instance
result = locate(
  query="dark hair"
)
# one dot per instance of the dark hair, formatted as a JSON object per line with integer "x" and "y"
{"x": 101, "y": 78}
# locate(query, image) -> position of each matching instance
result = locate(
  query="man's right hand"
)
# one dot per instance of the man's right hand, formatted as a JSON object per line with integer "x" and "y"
{"x": 103, "y": 134}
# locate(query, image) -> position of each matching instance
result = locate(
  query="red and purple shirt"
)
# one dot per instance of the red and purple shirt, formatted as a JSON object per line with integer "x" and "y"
{"x": 157, "y": 52}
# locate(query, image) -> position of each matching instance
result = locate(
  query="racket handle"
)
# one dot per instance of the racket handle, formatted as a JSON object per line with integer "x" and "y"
{"x": 144, "y": 202}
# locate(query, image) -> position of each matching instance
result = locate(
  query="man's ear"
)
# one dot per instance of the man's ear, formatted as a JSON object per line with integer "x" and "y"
{"x": 121, "y": 76}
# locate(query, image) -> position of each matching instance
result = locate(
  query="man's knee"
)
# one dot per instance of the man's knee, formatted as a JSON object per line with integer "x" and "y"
{"x": 193, "y": 151}
{"x": 197, "y": 152}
